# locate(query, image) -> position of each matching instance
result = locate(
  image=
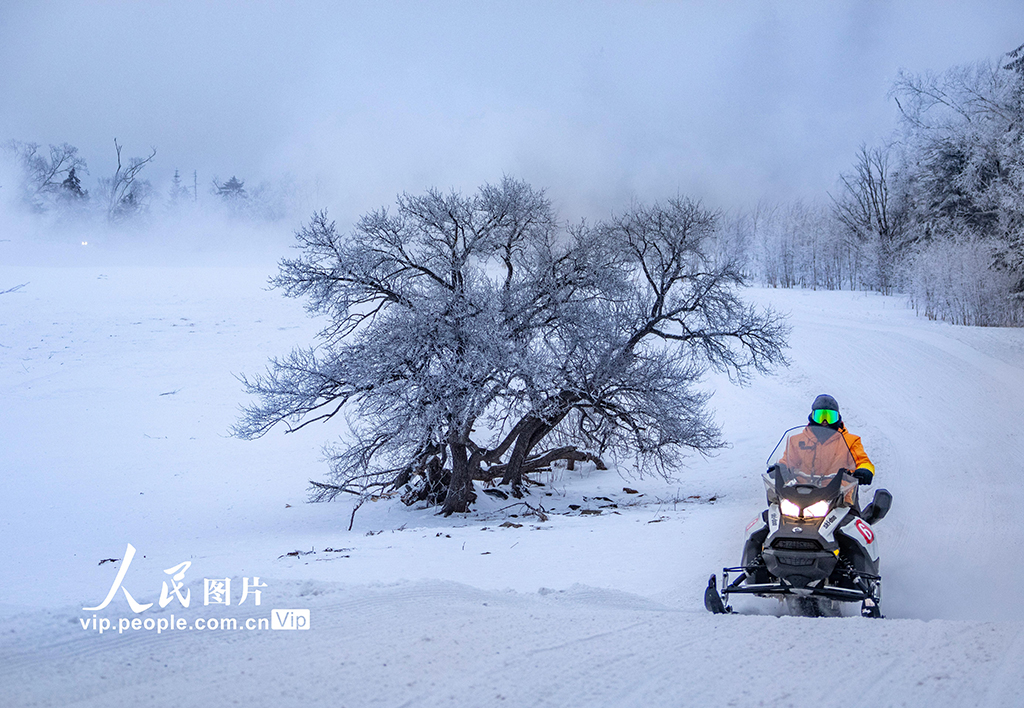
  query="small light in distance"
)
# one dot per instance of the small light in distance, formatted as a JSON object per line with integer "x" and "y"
{"x": 85, "y": 243}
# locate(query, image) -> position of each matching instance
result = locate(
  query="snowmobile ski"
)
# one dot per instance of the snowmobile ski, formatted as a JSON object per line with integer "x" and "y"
{"x": 713, "y": 601}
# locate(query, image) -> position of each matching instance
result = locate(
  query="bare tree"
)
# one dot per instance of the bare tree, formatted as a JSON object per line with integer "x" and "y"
{"x": 465, "y": 332}
{"x": 870, "y": 208}
{"x": 125, "y": 193}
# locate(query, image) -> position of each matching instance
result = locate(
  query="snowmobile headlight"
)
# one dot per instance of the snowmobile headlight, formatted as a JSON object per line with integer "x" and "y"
{"x": 789, "y": 508}
{"x": 816, "y": 511}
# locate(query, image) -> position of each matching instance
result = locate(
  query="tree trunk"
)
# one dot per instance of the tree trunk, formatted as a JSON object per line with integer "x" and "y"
{"x": 514, "y": 471}
{"x": 460, "y": 489}
{"x": 530, "y": 430}
{"x": 528, "y": 439}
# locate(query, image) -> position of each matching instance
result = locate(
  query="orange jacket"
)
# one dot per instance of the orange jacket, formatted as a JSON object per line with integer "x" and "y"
{"x": 859, "y": 456}
{"x": 805, "y": 452}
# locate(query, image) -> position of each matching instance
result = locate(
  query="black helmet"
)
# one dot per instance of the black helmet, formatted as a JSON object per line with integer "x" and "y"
{"x": 825, "y": 410}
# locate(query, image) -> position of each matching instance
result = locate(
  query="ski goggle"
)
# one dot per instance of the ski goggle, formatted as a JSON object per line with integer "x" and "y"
{"x": 825, "y": 416}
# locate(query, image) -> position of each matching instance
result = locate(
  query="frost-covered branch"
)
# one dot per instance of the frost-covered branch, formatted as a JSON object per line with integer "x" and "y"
{"x": 471, "y": 337}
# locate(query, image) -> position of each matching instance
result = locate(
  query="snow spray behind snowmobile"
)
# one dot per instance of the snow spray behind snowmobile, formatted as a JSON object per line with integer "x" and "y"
{"x": 814, "y": 546}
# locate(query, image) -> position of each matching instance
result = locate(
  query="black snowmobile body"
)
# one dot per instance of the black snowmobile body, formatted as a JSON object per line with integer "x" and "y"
{"x": 814, "y": 546}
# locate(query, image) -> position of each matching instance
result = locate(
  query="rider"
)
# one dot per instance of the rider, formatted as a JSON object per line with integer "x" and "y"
{"x": 813, "y": 450}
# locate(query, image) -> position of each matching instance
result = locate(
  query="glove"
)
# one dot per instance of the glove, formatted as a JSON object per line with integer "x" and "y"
{"x": 863, "y": 475}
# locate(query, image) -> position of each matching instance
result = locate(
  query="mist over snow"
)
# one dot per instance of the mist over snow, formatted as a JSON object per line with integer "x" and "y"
{"x": 598, "y": 102}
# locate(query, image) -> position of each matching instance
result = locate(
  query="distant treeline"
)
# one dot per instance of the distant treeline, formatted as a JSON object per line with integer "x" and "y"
{"x": 936, "y": 212}
{"x": 50, "y": 181}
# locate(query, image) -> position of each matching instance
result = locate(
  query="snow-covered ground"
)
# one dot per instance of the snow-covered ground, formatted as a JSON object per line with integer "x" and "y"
{"x": 117, "y": 391}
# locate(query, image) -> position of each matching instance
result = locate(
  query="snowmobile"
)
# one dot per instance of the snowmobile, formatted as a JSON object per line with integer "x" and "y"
{"x": 814, "y": 547}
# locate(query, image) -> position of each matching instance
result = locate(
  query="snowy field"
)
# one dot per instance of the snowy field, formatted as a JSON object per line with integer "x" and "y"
{"x": 118, "y": 390}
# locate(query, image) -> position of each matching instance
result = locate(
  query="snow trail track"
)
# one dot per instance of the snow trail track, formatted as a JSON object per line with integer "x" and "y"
{"x": 437, "y": 644}
{"x": 118, "y": 389}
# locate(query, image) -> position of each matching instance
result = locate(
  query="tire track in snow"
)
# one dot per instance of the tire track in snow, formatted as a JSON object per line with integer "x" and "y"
{"x": 1004, "y": 689}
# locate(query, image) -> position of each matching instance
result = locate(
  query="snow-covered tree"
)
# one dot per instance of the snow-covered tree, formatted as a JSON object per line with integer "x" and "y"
{"x": 627, "y": 355}
{"x": 465, "y": 332}
{"x": 952, "y": 279}
{"x": 801, "y": 244}
{"x": 42, "y": 175}
{"x": 962, "y": 136}
{"x": 871, "y": 207}
{"x": 423, "y": 332}
{"x": 960, "y": 131}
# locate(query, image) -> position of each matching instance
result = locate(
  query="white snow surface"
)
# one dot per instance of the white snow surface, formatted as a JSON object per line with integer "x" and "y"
{"x": 118, "y": 388}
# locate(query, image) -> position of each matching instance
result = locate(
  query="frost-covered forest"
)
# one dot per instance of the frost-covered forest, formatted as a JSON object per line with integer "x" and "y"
{"x": 935, "y": 212}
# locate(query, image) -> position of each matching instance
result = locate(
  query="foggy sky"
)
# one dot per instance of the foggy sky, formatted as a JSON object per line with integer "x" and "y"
{"x": 598, "y": 102}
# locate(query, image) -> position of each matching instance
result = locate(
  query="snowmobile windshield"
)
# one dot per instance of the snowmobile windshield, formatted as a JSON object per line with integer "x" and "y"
{"x": 812, "y": 454}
